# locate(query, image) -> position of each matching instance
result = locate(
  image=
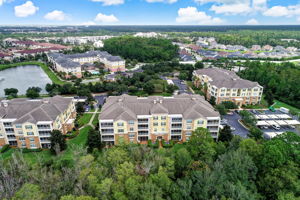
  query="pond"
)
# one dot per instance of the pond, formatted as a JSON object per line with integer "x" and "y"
{"x": 22, "y": 78}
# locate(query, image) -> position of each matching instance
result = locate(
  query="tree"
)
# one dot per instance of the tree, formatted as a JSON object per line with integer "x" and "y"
{"x": 255, "y": 133}
{"x": 28, "y": 192}
{"x": 221, "y": 108}
{"x": 212, "y": 100}
{"x": 269, "y": 97}
{"x": 225, "y": 134}
{"x": 201, "y": 145}
{"x": 93, "y": 140}
{"x": 229, "y": 105}
{"x": 248, "y": 118}
{"x": 149, "y": 88}
{"x": 182, "y": 160}
{"x": 80, "y": 108}
{"x": 58, "y": 142}
{"x": 72, "y": 197}
{"x": 33, "y": 92}
{"x": 13, "y": 92}
{"x": 199, "y": 65}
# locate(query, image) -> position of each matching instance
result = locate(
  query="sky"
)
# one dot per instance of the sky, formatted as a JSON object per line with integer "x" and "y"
{"x": 149, "y": 12}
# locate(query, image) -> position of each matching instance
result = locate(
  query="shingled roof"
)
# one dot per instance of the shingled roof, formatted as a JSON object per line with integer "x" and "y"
{"x": 128, "y": 108}
{"x": 225, "y": 78}
{"x": 26, "y": 110}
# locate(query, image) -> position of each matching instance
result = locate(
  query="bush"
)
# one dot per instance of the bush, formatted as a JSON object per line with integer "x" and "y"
{"x": 153, "y": 145}
{"x": 167, "y": 145}
{"x": 5, "y": 148}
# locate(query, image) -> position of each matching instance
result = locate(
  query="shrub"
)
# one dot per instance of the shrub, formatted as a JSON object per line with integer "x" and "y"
{"x": 5, "y": 148}
{"x": 30, "y": 150}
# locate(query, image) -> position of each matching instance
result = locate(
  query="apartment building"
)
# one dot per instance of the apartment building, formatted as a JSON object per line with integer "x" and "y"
{"x": 139, "y": 119}
{"x": 28, "y": 123}
{"x": 111, "y": 63}
{"x": 225, "y": 85}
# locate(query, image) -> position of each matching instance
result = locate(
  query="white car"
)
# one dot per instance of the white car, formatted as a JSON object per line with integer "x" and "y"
{"x": 232, "y": 128}
{"x": 292, "y": 127}
{"x": 276, "y": 127}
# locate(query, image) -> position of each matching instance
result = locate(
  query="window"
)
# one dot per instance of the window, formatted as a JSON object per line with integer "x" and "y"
{"x": 31, "y": 139}
{"x": 131, "y": 135}
{"x": 20, "y": 132}
{"x": 18, "y": 125}
{"x": 32, "y": 145}
{"x": 21, "y": 138}
{"x": 120, "y": 124}
{"x": 131, "y": 129}
{"x": 155, "y": 130}
{"x": 120, "y": 130}
{"x": 155, "y": 118}
{"x": 189, "y": 121}
{"x": 189, "y": 127}
{"x": 30, "y": 133}
{"x": 28, "y": 127}
{"x": 131, "y": 122}
{"x": 163, "y": 123}
{"x": 200, "y": 122}
{"x": 163, "y": 118}
{"x": 155, "y": 124}
{"x": 188, "y": 133}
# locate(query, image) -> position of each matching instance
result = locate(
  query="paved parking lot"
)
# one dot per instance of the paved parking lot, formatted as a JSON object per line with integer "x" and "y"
{"x": 183, "y": 88}
{"x": 100, "y": 99}
{"x": 232, "y": 120}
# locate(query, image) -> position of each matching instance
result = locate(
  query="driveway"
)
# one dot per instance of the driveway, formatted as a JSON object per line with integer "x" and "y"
{"x": 232, "y": 120}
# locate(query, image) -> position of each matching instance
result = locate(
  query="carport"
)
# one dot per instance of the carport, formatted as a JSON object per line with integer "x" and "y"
{"x": 264, "y": 116}
{"x": 292, "y": 122}
{"x": 281, "y": 122}
{"x": 270, "y": 134}
{"x": 273, "y": 116}
{"x": 271, "y": 122}
{"x": 262, "y": 123}
{"x": 284, "y": 116}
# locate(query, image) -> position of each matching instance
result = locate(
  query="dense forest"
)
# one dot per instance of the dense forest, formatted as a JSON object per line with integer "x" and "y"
{"x": 202, "y": 169}
{"x": 280, "y": 81}
{"x": 141, "y": 49}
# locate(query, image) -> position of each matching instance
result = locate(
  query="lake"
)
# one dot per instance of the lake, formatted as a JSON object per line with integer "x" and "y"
{"x": 22, "y": 78}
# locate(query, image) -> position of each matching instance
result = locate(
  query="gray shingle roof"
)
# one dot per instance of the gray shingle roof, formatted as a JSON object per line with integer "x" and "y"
{"x": 226, "y": 78}
{"x": 127, "y": 107}
{"x": 25, "y": 110}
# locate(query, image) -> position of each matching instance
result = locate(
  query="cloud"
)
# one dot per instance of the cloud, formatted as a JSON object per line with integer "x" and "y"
{"x": 282, "y": 11}
{"x": 192, "y": 15}
{"x": 252, "y": 22}
{"x": 106, "y": 18}
{"x": 231, "y": 9}
{"x": 110, "y": 2}
{"x": 26, "y": 9}
{"x": 161, "y": 1}
{"x": 55, "y": 15}
{"x": 2, "y": 2}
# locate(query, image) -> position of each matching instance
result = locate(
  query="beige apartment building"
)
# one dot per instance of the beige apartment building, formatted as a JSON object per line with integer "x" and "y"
{"x": 139, "y": 119}
{"x": 225, "y": 85}
{"x": 28, "y": 123}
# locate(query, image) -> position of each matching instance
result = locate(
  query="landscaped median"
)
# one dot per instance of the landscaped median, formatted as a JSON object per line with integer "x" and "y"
{"x": 45, "y": 68}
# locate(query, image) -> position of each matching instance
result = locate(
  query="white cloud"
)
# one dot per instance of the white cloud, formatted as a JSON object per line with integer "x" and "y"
{"x": 192, "y": 15}
{"x": 106, "y": 18}
{"x": 55, "y": 15}
{"x": 161, "y": 1}
{"x": 110, "y": 2}
{"x": 282, "y": 11}
{"x": 2, "y": 2}
{"x": 26, "y": 9}
{"x": 252, "y": 22}
{"x": 231, "y": 9}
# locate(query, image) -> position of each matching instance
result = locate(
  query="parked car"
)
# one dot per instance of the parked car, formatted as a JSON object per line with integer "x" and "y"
{"x": 232, "y": 128}
{"x": 276, "y": 127}
{"x": 224, "y": 121}
{"x": 292, "y": 127}
{"x": 230, "y": 113}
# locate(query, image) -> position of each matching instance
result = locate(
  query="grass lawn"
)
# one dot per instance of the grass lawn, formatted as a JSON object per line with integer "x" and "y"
{"x": 95, "y": 121}
{"x": 84, "y": 119}
{"x": 263, "y": 105}
{"x": 45, "y": 155}
{"x": 46, "y": 69}
{"x": 279, "y": 104}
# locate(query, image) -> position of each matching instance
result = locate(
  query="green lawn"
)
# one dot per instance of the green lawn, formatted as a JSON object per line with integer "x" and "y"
{"x": 45, "y": 155}
{"x": 95, "y": 120}
{"x": 84, "y": 119}
{"x": 46, "y": 69}
{"x": 279, "y": 104}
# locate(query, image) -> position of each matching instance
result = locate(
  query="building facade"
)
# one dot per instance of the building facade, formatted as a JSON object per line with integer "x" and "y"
{"x": 28, "y": 123}
{"x": 139, "y": 119}
{"x": 225, "y": 85}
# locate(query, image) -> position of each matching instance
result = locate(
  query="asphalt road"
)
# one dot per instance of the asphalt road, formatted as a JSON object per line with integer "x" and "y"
{"x": 232, "y": 120}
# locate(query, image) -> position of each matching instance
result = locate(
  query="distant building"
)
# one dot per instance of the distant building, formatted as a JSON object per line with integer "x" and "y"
{"x": 225, "y": 85}
{"x": 256, "y": 48}
{"x": 139, "y": 119}
{"x": 28, "y": 123}
{"x": 267, "y": 48}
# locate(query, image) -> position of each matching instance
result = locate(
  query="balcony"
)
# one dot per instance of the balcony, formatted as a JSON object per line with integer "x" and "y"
{"x": 43, "y": 126}
{"x": 176, "y": 120}
{"x": 176, "y": 126}
{"x": 107, "y": 138}
{"x": 107, "y": 131}
{"x": 176, "y": 132}
{"x": 143, "y": 133}
{"x": 143, "y": 121}
{"x": 142, "y": 127}
{"x": 107, "y": 125}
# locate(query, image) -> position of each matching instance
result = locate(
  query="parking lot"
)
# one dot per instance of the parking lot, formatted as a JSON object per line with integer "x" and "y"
{"x": 265, "y": 117}
{"x": 100, "y": 99}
